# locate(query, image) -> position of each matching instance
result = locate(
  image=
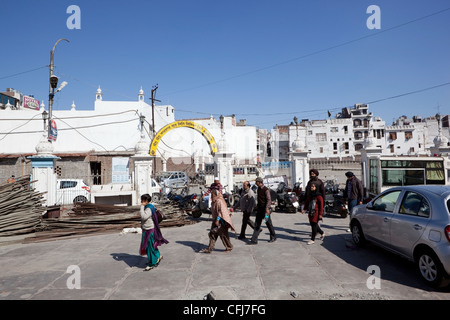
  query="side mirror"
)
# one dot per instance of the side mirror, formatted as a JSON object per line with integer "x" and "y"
{"x": 369, "y": 205}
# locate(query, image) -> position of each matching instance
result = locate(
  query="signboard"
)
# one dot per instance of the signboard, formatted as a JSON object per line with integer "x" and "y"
{"x": 53, "y": 133}
{"x": 120, "y": 170}
{"x": 31, "y": 103}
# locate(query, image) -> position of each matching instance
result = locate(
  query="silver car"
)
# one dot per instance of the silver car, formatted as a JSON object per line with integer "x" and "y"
{"x": 413, "y": 221}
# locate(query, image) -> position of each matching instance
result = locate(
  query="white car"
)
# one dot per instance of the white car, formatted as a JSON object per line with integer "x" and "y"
{"x": 70, "y": 191}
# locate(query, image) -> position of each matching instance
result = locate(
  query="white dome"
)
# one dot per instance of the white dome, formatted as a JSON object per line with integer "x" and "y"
{"x": 298, "y": 145}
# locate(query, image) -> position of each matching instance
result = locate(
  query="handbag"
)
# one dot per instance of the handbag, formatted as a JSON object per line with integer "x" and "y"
{"x": 161, "y": 216}
{"x": 312, "y": 208}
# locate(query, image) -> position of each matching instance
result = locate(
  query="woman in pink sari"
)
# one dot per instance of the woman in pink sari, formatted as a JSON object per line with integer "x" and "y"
{"x": 221, "y": 223}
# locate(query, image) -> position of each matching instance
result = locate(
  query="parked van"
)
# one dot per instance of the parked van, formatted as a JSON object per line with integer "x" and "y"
{"x": 174, "y": 179}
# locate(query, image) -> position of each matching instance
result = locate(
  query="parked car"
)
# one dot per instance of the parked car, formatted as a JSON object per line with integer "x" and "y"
{"x": 413, "y": 221}
{"x": 156, "y": 191}
{"x": 69, "y": 191}
{"x": 174, "y": 179}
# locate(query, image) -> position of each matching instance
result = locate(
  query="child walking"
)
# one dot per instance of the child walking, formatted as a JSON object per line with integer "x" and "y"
{"x": 151, "y": 233}
{"x": 314, "y": 206}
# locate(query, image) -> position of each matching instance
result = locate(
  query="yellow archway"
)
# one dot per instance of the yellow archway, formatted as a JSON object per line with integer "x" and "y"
{"x": 183, "y": 124}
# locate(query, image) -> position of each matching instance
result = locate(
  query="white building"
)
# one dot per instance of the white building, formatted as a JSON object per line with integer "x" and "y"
{"x": 347, "y": 134}
{"x": 93, "y": 144}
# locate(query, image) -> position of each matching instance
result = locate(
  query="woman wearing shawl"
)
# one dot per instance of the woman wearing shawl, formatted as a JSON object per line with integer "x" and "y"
{"x": 151, "y": 233}
{"x": 314, "y": 207}
{"x": 221, "y": 223}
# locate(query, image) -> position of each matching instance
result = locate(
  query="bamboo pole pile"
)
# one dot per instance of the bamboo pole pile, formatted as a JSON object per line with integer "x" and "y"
{"x": 89, "y": 218}
{"x": 20, "y": 207}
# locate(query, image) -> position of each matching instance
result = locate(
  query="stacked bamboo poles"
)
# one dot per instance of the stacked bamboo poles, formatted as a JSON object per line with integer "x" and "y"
{"x": 20, "y": 207}
{"x": 89, "y": 218}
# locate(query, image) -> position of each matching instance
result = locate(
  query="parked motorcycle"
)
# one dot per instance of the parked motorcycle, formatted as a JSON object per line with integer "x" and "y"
{"x": 286, "y": 200}
{"x": 336, "y": 205}
{"x": 200, "y": 206}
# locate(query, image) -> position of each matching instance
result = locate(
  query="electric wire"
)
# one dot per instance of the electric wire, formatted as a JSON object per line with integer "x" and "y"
{"x": 371, "y": 35}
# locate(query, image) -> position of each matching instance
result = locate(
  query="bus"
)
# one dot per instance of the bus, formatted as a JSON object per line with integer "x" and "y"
{"x": 384, "y": 172}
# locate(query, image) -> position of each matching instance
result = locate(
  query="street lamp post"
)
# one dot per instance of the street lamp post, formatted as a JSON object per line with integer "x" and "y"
{"x": 53, "y": 86}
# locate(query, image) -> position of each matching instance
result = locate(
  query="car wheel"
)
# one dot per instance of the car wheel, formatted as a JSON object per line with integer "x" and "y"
{"x": 357, "y": 234}
{"x": 156, "y": 197}
{"x": 79, "y": 199}
{"x": 430, "y": 268}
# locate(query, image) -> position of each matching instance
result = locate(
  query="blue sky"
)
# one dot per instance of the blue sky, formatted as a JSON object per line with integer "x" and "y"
{"x": 234, "y": 57}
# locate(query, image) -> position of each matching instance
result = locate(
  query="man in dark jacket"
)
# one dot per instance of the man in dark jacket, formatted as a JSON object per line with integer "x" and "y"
{"x": 314, "y": 178}
{"x": 354, "y": 192}
{"x": 263, "y": 212}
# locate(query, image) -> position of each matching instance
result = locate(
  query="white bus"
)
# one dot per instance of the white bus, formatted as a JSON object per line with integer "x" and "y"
{"x": 387, "y": 171}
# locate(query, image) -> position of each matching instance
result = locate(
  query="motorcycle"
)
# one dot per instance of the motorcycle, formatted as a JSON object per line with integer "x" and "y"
{"x": 336, "y": 205}
{"x": 200, "y": 206}
{"x": 286, "y": 200}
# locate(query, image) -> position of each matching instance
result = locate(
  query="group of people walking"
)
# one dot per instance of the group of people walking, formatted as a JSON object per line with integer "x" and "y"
{"x": 221, "y": 217}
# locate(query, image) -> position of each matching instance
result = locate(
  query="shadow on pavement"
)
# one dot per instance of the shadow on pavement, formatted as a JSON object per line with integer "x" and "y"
{"x": 392, "y": 266}
{"x": 130, "y": 259}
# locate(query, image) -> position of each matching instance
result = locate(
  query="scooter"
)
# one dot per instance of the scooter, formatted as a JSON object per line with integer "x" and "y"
{"x": 336, "y": 205}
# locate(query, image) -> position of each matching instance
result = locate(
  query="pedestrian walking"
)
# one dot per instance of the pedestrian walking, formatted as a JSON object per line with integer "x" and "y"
{"x": 263, "y": 212}
{"x": 151, "y": 233}
{"x": 314, "y": 178}
{"x": 216, "y": 185}
{"x": 221, "y": 223}
{"x": 247, "y": 204}
{"x": 354, "y": 192}
{"x": 314, "y": 208}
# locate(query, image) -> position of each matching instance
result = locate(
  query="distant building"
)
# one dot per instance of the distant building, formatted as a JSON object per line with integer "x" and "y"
{"x": 346, "y": 135}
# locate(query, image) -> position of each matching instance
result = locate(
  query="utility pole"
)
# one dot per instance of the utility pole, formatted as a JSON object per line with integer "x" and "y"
{"x": 52, "y": 87}
{"x": 154, "y": 88}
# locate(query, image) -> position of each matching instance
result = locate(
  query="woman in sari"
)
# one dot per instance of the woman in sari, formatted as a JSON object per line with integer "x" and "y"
{"x": 221, "y": 223}
{"x": 151, "y": 233}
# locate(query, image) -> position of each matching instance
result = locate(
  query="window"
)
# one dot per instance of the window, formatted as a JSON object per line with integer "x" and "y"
{"x": 393, "y": 136}
{"x": 408, "y": 135}
{"x": 391, "y": 148}
{"x": 386, "y": 202}
{"x": 68, "y": 184}
{"x": 321, "y": 137}
{"x": 334, "y": 129}
{"x": 251, "y": 170}
{"x": 414, "y": 204}
{"x": 402, "y": 177}
{"x": 334, "y": 145}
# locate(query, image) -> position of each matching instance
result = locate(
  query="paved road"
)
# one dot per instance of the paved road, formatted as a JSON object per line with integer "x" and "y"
{"x": 110, "y": 267}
